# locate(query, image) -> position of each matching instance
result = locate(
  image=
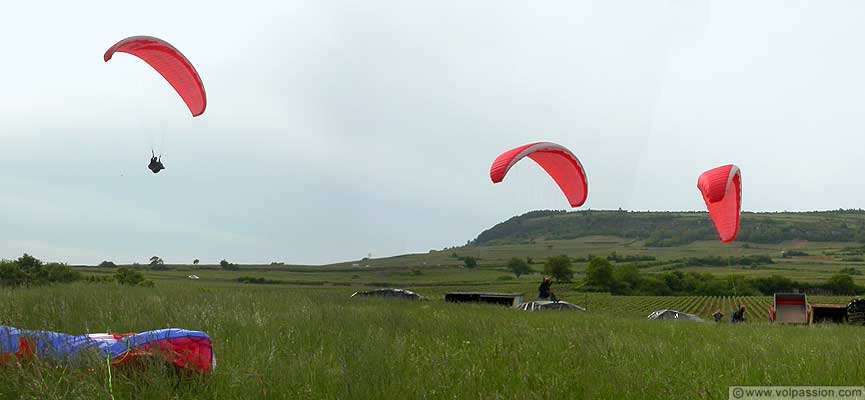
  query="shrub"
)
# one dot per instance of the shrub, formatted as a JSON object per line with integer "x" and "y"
{"x": 518, "y": 266}
{"x": 599, "y": 274}
{"x": 559, "y": 267}
{"x": 30, "y": 271}
{"x": 794, "y": 253}
{"x": 131, "y": 277}
{"x": 61, "y": 273}
{"x": 99, "y": 278}
{"x": 259, "y": 280}
{"x": 843, "y": 284}
{"x": 228, "y": 266}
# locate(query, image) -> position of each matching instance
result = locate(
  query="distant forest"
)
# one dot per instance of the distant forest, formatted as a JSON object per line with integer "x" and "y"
{"x": 667, "y": 229}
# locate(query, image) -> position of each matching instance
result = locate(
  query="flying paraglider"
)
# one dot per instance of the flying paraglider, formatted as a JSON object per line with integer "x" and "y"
{"x": 170, "y": 63}
{"x": 173, "y": 66}
{"x": 722, "y": 191}
{"x": 562, "y": 165}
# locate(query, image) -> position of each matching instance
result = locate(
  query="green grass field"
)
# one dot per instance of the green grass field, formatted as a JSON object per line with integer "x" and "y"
{"x": 286, "y": 341}
{"x": 306, "y": 338}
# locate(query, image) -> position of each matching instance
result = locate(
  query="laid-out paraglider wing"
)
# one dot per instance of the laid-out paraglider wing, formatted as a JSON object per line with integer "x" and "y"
{"x": 562, "y": 165}
{"x": 183, "y": 348}
{"x": 171, "y": 64}
{"x": 722, "y": 191}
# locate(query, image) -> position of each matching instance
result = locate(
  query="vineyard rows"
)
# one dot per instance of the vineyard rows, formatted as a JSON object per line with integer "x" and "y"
{"x": 757, "y": 307}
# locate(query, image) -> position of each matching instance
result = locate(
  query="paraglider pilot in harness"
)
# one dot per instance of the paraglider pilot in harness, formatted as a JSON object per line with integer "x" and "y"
{"x": 155, "y": 163}
{"x": 544, "y": 292}
{"x": 739, "y": 315}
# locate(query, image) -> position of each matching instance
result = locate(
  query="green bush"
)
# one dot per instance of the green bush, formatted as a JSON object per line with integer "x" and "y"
{"x": 518, "y": 266}
{"x": 128, "y": 276}
{"x": 99, "y": 278}
{"x": 30, "y": 271}
{"x": 559, "y": 267}
{"x": 228, "y": 266}
{"x": 259, "y": 280}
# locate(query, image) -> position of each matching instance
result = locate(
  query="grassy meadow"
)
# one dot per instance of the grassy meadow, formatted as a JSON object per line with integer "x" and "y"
{"x": 305, "y": 338}
{"x": 299, "y": 342}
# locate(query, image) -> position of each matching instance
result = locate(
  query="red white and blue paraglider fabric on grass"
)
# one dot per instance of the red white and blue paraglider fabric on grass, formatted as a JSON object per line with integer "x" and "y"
{"x": 183, "y": 348}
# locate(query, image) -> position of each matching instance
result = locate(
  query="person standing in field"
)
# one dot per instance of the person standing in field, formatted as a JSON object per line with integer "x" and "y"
{"x": 718, "y": 315}
{"x": 739, "y": 315}
{"x": 544, "y": 292}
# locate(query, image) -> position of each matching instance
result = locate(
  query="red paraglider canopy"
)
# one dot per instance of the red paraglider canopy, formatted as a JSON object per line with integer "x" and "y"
{"x": 171, "y": 64}
{"x": 562, "y": 165}
{"x": 722, "y": 191}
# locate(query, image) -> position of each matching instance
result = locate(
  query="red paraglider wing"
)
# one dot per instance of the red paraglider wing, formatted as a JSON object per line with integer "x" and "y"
{"x": 562, "y": 165}
{"x": 171, "y": 64}
{"x": 722, "y": 191}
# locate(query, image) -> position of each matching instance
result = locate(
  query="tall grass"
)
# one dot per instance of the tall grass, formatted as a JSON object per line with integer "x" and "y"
{"x": 316, "y": 343}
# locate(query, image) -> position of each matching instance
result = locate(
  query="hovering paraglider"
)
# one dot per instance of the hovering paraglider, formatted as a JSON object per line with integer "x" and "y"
{"x": 562, "y": 165}
{"x": 173, "y": 66}
{"x": 722, "y": 191}
{"x": 170, "y": 63}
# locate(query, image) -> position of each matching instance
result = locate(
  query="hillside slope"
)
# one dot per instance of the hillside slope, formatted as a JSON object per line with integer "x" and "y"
{"x": 665, "y": 229}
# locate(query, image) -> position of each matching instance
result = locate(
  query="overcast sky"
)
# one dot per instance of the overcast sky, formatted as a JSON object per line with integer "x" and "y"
{"x": 336, "y": 129}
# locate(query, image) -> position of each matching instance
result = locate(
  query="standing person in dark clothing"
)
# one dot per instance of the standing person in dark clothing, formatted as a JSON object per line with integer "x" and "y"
{"x": 544, "y": 292}
{"x": 738, "y": 316}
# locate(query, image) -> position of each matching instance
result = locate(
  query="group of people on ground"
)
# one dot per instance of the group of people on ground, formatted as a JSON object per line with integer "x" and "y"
{"x": 737, "y": 317}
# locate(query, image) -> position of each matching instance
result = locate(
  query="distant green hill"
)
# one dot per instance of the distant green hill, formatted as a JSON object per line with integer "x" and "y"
{"x": 666, "y": 229}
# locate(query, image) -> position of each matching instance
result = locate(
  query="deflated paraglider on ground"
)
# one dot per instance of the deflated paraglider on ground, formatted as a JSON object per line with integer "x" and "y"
{"x": 722, "y": 191}
{"x": 674, "y": 315}
{"x": 185, "y": 349}
{"x": 534, "y": 306}
{"x": 390, "y": 293}
{"x": 562, "y": 165}
{"x": 173, "y": 66}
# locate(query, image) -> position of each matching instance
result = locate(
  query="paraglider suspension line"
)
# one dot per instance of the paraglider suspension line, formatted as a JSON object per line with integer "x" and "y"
{"x": 730, "y": 267}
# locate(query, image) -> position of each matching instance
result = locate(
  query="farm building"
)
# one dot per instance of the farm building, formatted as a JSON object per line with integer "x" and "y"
{"x": 393, "y": 293}
{"x": 505, "y": 299}
{"x": 674, "y": 316}
{"x": 549, "y": 306}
